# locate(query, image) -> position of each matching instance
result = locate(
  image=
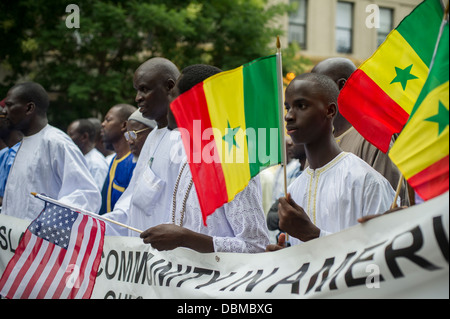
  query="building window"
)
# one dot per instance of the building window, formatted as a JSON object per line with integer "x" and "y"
{"x": 297, "y": 23}
{"x": 344, "y": 27}
{"x": 386, "y": 17}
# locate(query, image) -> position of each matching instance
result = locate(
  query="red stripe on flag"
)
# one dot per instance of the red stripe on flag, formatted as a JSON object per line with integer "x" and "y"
{"x": 59, "y": 254}
{"x": 432, "y": 181}
{"x": 87, "y": 254}
{"x": 209, "y": 174}
{"x": 93, "y": 274}
{"x": 370, "y": 110}
{"x": 12, "y": 266}
{"x": 37, "y": 273}
{"x": 40, "y": 268}
{"x": 24, "y": 269}
{"x": 73, "y": 258}
{"x": 13, "y": 261}
{"x": 53, "y": 277}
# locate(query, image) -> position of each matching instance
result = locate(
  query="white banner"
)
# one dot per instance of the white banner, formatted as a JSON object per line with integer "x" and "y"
{"x": 400, "y": 255}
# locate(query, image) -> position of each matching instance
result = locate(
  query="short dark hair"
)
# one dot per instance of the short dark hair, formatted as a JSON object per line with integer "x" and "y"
{"x": 86, "y": 126}
{"x": 328, "y": 86}
{"x": 336, "y": 68}
{"x": 125, "y": 110}
{"x": 33, "y": 92}
{"x": 98, "y": 127}
{"x": 194, "y": 74}
{"x": 164, "y": 68}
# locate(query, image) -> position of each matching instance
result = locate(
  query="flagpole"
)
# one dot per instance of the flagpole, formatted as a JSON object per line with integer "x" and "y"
{"x": 399, "y": 186}
{"x": 444, "y": 21}
{"x": 281, "y": 118}
{"x": 281, "y": 112}
{"x": 82, "y": 211}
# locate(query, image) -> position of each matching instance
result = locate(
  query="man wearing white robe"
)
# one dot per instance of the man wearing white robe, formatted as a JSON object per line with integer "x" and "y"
{"x": 336, "y": 195}
{"x": 146, "y": 201}
{"x": 98, "y": 166}
{"x": 47, "y": 162}
{"x": 338, "y": 187}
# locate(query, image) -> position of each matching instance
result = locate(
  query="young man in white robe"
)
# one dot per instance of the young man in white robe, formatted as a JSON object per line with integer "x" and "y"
{"x": 47, "y": 161}
{"x": 339, "y": 69}
{"x": 338, "y": 187}
{"x": 147, "y": 199}
{"x": 238, "y": 226}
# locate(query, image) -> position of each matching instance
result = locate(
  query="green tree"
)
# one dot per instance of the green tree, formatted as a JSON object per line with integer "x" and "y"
{"x": 88, "y": 69}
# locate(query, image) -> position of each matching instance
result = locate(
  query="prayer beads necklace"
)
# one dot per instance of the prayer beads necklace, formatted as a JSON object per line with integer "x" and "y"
{"x": 174, "y": 197}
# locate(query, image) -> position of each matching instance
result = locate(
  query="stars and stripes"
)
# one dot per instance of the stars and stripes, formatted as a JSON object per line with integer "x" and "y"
{"x": 58, "y": 257}
{"x": 54, "y": 225}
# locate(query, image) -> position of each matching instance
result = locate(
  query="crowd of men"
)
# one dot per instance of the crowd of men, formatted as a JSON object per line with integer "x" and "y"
{"x": 128, "y": 166}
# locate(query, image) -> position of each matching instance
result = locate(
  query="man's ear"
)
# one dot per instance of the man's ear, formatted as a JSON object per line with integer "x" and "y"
{"x": 332, "y": 110}
{"x": 123, "y": 129}
{"x": 170, "y": 84}
{"x": 31, "y": 108}
{"x": 85, "y": 137}
{"x": 341, "y": 82}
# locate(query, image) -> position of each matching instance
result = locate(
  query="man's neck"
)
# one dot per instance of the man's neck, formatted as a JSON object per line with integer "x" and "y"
{"x": 302, "y": 162}
{"x": 321, "y": 152}
{"x": 341, "y": 125}
{"x": 35, "y": 126}
{"x": 13, "y": 138}
{"x": 87, "y": 149}
{"x": 162, "y": 122}
{"x": 121, "y": 148}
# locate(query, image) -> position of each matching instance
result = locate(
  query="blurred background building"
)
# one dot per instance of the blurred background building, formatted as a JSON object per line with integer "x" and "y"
{"x": 327, "y": 28}
{"x": 88, "y": 69}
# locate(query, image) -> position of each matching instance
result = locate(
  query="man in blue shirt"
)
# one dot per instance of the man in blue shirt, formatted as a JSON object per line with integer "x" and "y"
{"x": 11, "y": 138}
{"x": 121, "y": 168}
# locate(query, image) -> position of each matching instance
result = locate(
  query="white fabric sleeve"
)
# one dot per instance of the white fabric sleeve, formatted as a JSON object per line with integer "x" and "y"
{"x": 246, "y": 218}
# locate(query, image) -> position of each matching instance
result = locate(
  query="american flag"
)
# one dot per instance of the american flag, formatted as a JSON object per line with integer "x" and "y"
{"x": 57, "y": 258}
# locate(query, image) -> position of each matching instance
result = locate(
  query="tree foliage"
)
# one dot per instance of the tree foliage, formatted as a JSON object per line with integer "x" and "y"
{"x": 88, "y": 69}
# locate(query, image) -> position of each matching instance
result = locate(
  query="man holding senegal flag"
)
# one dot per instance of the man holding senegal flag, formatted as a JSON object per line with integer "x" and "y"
{"x": 232, "y": 133}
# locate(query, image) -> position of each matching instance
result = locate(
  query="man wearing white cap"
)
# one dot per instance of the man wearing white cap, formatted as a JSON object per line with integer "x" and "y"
{"x": 138, "y": 128}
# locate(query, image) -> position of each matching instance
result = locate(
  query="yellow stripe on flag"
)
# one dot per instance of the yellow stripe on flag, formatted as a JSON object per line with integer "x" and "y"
{"x": 421, "y": 142}
{"x": 409, "y": 77}
{"x": 224, "y": 94}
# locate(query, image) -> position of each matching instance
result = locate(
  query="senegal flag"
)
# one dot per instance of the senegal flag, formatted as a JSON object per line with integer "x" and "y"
{"x": 421, "y": 151}
{"x": 230, "y": 127}
{"x": 380, "y": 95}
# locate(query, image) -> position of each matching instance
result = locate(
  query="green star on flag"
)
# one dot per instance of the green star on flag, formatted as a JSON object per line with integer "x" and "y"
{"x": 421, "y": 155}
{"x": 230, "y": 137}
{"x": 403, "y": 76}
{"x": 442, "y": 118}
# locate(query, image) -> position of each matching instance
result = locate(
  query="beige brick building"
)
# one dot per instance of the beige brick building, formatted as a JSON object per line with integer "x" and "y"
{"x": 348, "y": 28}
